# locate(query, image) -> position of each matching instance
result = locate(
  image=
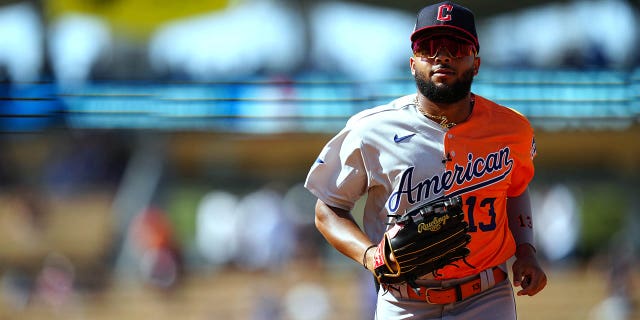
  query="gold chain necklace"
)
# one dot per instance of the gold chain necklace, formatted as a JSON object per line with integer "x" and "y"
{"x": 443, "y": 120}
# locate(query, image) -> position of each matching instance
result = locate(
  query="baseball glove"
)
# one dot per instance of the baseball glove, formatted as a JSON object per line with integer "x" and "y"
{"x": 422, "y": 241}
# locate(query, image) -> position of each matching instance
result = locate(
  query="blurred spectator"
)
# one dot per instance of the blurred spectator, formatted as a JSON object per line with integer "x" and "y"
{"x": 268, "y": 305}
{"x": 265, "y": 237}
{"x": 557, "y": 213}
{"x": 298, "y": 205}
{"x": 55, "y": 282}
{"x": 216, "y": 225}
{"x": 307, "y": 301}
{"x": 159, "y": 256}
{"x": 621, "y": 284}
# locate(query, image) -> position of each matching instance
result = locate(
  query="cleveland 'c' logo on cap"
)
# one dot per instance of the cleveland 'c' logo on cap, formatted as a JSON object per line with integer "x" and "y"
{"x": 444, "y": 12}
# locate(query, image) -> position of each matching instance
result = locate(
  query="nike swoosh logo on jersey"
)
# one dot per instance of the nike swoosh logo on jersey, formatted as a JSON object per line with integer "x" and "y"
{"x": 397, "y": 139}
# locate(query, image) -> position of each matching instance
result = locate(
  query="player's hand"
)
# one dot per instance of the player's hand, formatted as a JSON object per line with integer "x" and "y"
{"x": 371, "y": 262}
{"x": 527, "y": 272}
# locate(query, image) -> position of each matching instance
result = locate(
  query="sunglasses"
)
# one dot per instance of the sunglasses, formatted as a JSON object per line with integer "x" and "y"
{"x": 457, "y": 47}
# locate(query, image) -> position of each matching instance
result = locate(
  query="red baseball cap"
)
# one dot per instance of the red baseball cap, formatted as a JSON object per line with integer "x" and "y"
{"x": 446, "y": 17}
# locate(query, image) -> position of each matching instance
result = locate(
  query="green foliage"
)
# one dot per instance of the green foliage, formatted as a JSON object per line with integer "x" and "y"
{"x": 603, "y": 212}
{"x": 182, "y": 204}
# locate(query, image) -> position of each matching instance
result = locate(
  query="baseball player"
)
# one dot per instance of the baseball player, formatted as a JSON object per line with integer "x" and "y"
{"x": 441, "y": 142}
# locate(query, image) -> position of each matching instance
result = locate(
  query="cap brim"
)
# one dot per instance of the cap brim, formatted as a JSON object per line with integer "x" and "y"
{"x": 426, "y": 31}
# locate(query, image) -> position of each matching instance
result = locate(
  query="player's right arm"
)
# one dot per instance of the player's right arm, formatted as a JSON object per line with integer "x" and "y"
{"x": 340, "y": 229}
{"x": 338, "y": 178}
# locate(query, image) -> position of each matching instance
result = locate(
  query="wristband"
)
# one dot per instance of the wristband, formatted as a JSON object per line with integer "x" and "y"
{"x": 364, "y": 256}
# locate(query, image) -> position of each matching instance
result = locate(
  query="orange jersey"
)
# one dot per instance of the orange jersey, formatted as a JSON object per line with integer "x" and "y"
{"x": 491, "y": 158}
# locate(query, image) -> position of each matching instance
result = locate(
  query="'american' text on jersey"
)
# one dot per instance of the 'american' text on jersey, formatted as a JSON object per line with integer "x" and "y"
{"x": 474, "y": 169}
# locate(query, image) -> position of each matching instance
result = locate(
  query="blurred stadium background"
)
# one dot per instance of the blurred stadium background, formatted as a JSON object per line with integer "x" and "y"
{"x": 152, "y": 152}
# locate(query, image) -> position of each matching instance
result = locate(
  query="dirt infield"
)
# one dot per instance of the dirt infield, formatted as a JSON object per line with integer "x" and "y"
{"x": 570, "y": 294}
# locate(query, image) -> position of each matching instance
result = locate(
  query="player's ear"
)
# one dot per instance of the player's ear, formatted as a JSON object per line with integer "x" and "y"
{"x": 476, "y": 65}
{"x": 412, "y": 65}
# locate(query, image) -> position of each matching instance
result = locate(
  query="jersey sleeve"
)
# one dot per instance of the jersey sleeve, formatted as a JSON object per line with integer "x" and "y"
{"x": 338, "y": 177}
{"x": 525, "y": 152}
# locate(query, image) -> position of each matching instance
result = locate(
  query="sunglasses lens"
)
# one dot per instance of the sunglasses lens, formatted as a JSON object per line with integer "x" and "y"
{"x": 430, "y": 47}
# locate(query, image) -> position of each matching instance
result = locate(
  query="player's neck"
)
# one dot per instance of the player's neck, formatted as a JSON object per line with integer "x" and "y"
{"x": 447, "y": 114}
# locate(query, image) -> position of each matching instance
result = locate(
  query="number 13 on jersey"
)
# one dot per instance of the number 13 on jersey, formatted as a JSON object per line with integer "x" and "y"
{"x": 480, "y": 221}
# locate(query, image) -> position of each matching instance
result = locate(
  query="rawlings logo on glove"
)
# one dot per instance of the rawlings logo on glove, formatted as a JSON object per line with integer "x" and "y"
{"x": 434, "y": 225}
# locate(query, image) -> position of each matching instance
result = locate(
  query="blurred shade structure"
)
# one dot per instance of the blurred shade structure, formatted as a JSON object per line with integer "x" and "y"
{"x": 206, "y": 114}
{"x": 22, "y": 51}
{"x": 267, "y": 66}
{"x": 133, "y": 18}
{"x": 574, "y": 34}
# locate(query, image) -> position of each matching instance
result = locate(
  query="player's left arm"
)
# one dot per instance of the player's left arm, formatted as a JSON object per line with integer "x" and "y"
{"x": 527, "y": 272}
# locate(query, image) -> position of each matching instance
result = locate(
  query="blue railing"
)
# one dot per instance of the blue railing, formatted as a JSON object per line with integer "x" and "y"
{"x": 553, "y": 100}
